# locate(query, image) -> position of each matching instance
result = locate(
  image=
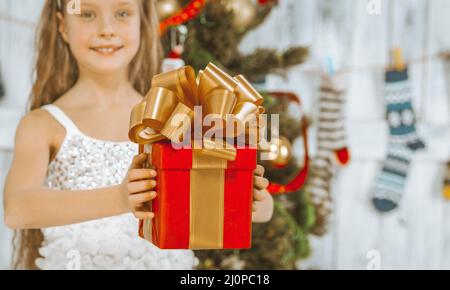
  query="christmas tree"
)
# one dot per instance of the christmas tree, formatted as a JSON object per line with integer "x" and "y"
{"x": 214, "y": 36}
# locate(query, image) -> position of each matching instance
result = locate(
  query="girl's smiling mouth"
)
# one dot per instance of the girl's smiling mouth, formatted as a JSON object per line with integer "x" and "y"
{"x": 106, "y": 49}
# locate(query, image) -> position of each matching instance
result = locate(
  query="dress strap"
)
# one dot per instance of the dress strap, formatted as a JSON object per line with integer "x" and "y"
{"x": 62, "y": 118}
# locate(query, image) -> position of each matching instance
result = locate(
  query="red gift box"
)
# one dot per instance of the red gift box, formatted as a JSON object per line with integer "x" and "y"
{"x": 203, "y": 202}
{"x": 204, "y": 195}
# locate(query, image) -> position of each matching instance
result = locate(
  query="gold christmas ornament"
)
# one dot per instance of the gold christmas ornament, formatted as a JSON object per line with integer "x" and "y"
{"x": 280, "y": 151}
{"x": 167, "y": 8}
{"x": 244, "y": 12}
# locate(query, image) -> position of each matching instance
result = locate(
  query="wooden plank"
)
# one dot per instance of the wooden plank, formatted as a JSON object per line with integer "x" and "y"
{"x": 17, "y": 50}
{"x": 365, "y": 98}
{"x": 322, "y": 253}
{"x": 410, "y": 24}
{"x": 437, "y": 102}
{"x": 424, "y": 211}
{"x": 358, "y": 223}
{"x": 5, "y": 233}
{"x": 283, "y": 27}
{"x": 16, "y": 55}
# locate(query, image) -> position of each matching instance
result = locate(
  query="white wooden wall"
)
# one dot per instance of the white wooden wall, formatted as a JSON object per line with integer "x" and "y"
{"x": 16, "y": 55}
{"x": 416, "y": 236}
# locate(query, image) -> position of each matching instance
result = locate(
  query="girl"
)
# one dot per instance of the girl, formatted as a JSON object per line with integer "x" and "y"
{"x": 71, "y": 189}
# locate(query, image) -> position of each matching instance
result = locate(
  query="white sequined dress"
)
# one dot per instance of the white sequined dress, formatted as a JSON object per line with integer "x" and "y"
{"x": 85, "y": 163}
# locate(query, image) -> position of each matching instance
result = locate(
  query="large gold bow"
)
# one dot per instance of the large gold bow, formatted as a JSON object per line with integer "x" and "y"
{"x": 173, "y": 94}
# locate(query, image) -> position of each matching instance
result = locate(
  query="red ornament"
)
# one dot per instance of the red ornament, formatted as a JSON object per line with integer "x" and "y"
{"x": 189, "y": 12}
{"x": 266, "y": 2}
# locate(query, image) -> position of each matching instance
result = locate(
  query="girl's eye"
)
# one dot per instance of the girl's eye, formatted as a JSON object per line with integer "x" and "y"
{"x": 122, "y": 14}
{"x": 88, "y": 15}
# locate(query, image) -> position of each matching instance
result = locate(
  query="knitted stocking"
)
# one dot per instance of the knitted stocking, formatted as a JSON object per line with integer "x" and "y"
{"x": 403, "y": 141}
{"x": 332, "y": 147}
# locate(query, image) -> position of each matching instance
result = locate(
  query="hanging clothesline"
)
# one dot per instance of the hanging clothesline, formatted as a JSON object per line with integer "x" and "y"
{"x": 378, "y": 67}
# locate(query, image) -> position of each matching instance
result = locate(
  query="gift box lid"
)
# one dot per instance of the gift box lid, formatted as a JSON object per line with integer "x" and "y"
{"x": 165, "y": 156}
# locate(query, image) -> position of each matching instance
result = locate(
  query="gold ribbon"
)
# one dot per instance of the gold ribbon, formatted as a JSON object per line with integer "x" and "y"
{"x": 207, "y": 201}
{"x": 167, "y": 113}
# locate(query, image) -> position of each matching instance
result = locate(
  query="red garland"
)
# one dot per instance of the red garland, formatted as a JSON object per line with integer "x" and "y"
{"x": 189, "y": 12}
{"x": 300, "y": 179}
{"x": 265, "y": 2}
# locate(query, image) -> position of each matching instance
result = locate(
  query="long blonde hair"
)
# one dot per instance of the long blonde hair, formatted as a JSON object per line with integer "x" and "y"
{"x": 56, "y": 71}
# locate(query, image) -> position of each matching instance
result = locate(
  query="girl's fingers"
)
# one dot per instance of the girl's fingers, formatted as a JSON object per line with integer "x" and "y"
{"x": 260, "y": 182}
{"x": 140, "y": 174}
{"x": 138, "y": 161}
{"x": 254, "y": 208}
{"x": 141, "y": 186}
{"x": 258, "y": 195}
{"x": 259, "y": 171}
{"x": 144, "y": 215}
{"x": 137, "y": 200}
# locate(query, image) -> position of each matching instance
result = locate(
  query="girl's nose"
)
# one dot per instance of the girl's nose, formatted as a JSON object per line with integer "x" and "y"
{"x": 106, "y": 29}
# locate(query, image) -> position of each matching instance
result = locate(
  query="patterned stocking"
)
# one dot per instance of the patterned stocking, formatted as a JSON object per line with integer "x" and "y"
{"x": 403, "y": 141}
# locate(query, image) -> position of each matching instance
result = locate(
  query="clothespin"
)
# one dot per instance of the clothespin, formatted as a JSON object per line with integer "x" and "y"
{"x": 397, "y": 59}
{"x": 330, "y": 66}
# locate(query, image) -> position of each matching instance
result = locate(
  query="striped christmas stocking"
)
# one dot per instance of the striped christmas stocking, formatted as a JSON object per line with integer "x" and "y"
{"x": 403, "y": 142}
{"x": 332, "y": 148}
{"x": 331, "y": 130}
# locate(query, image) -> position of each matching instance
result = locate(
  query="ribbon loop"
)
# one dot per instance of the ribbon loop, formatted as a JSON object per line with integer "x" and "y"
{"x": 178, "y": 124}
{"x": 246, "y": 92}
{"x": 160, "y": 103}
{"x": 214, "y": 78}
{"x": 220, "y": 102}
{"x": 182, "y": 82}
{"x": 168, "y": 109}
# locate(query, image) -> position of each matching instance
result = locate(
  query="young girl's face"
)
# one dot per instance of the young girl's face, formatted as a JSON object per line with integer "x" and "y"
{"x": 105, "y": 36}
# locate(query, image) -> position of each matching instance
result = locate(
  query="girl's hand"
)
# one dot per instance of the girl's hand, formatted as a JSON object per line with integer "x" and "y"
{"x": 138, "y": 188}
{"x": 259, "y": 185}
{"x": 262, "y": 200}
